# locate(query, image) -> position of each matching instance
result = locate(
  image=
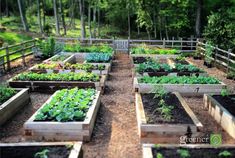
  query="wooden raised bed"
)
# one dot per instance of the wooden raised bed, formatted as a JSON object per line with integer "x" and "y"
{"x": 52, "y": 86}
{"x": 156, "y": 56}
{"x": 63, "y": 131}
{"x": 200, "y": 149}
{"x": 50, "y": 59}
{"x": 27, "y": 150}
{"x": 14, "y": 104}
{"x": 222, "y": 115}
{"x": 185, "y": 89}
{"x": 152, "y": 133}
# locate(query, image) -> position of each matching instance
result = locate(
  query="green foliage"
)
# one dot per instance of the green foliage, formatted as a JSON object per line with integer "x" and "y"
{"x": 47, "y": 47}
{"x": 98, "y": 57}
{"x": 153, "y": 66}
{"x": 10, "y": 38}
{"x": 42, "y": 154}
{"x": 159, "y": 92}
{"x": 179, "y": 80}
{"x": 187, "y": 68}
{"x": 224, "y": 92}
{"x": 30, "y": 76}
{"x": 165, "y": 110}
{"x": 159, "y": 155}
{"x": 220, "y": 29}
{"x": 91, "y": 49}
{"x": 146, "y": 50}
{"x": 208, "y": 53}
{"x": 225, "y": 154}
{"x": 183, "y": 153}
{"x": 6, "y": 93}
{"x": 67, "y": 105}
{"x": 47, "y": 29}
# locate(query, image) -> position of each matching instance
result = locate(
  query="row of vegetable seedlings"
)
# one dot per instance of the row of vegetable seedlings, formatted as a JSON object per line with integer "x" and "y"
{"x": 158, "y": 104}
{"x": 57, "y": 119}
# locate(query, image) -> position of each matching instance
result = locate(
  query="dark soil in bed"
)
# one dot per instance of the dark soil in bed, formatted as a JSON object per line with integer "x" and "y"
{"x": 194, "y": 153}
{"x": 178, "y": 113}
{"x": 228, "y": 102}
{"x": 140, "y": 60}
{"x": 30, "y": 151}
{"x": 181, "y": 62}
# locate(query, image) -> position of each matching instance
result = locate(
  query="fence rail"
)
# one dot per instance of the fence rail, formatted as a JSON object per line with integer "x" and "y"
{"x": 220, "y": 57}
{"x": 12, "y": 53}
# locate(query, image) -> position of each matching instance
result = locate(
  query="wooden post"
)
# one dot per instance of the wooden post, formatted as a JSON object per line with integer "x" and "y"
{"x": 164, "y": 43}
{"x": 228, "y": 62}
{"x": 216, "y": 52}
{"x": 8, "y": 59}
{"x": 114, "y": 47}
{"x": 191, "y": 38}
{"x": 128, "y": 46}
{"x": 181, "y": 43}
{"x": 23, "y": 54}
{"x": 172, "y": 44}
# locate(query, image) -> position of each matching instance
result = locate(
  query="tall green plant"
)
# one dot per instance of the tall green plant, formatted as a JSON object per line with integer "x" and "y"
{"x": 47, "y": 47}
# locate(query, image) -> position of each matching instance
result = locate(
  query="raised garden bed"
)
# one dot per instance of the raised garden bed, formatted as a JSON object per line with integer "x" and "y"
{"x": 49, "y": 149}
{"x": 154, "y": 125}
{"x": 186, "y": 88}
{"x": 188, "y": 151}
{"x": 75, "y": 125}
{"x": 61, "y": 58}
{"x": 53, "y": 82}
{"x": 67, "y": 68}
{"x": 10, "y": 107}
{"x": 222, "y": 108}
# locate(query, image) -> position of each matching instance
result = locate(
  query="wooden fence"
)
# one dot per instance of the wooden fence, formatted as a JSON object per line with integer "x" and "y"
{"x": 219, "y": 57}
{"x": 15, "y": 52}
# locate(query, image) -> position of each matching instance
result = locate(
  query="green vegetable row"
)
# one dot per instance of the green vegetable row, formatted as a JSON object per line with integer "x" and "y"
{"x": 6, "y": 93}
{"x": 30, "y": 76}
{"x": 179, "y": 80}
{"x": 61, "y": 57}
{"x": 68, "y": 66}
{"x": 98, "y": 58}
{"x": 67, "y": 105}
{"x": 187, "y": 68}
{"x": 146, "y": 50}
{"x": 91, "y": 49}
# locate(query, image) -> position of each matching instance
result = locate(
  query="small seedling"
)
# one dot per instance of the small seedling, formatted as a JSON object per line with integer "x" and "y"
{"x": 159, "y": 155}
{"x": 224, "y": 92}
{"x": 157, "y": 146}
{"x": 225, "y": 154}
{"x": 183, "y": 153}
{"x": 42, "y": 154}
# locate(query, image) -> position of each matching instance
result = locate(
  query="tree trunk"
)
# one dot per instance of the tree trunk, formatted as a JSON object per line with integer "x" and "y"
{"x": 98, "y": 21}
{"x": 83, "y": 32}
{"x": 62, "y": 17}
{"x": 94, "y": 21}
{"x": 0, "y": 9}
{"x": 160, "y": 27}
{"x": 198, "y": 18}
{"x": 129, "y": 20}
{"x": 56, "y": 18}
{"x": 7, "y": 8}
{"x": 89, "y": 19}
{"x": 166, "y": 30}
{"x": 39, "y": 15}
{"x": 43, "y": 10}
{"x": 155, "y": 24}
{"x": 72, "y": 7}
{"x": 22, "y": 15}
{"x": 138, "y": 30}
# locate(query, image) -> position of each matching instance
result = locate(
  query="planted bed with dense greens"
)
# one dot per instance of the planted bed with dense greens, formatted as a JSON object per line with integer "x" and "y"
{"x": 67, "y": 105}
{"x": 91, "y": 49}
{"x": 98, "y": 58}
{"x": 6, "y": 93}
{"x": 179, "y": 80}
{"x": 30, "y": 76}
{"x": 146, "y": 50}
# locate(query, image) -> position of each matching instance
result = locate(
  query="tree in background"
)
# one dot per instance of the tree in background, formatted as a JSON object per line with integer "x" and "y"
{"x": 57, "y": 23}
{"x": 22, "y": 15}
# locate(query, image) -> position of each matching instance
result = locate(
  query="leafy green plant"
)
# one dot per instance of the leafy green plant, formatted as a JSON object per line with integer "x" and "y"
{"x": 92, "y": 49}
{"x": 147, "y": 50}
{"x": 153, "y": 66}
{"x": 98, "y": 57}
{"x": 67, "y": 105}
{"x": 183, "y": 153}
{"x": 178, "y": 80}
{"x": 159, "y": 155}
{"x": 224, "y": 92}
{"x": 208, "y": 53}
{"x": 225, "y": 154}
{"x": 187, "y": 68}
{"x": 30, "y": 76}
{"x": 159, "y": 92}
{"x": 6, "y": 93}
{"x": 42, "y": 154}
{"x": 47, "y": 47}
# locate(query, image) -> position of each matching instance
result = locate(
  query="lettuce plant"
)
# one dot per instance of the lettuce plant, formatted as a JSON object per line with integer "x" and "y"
{"x": 98, "y": 57}
{"x": 6, "y": 93}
